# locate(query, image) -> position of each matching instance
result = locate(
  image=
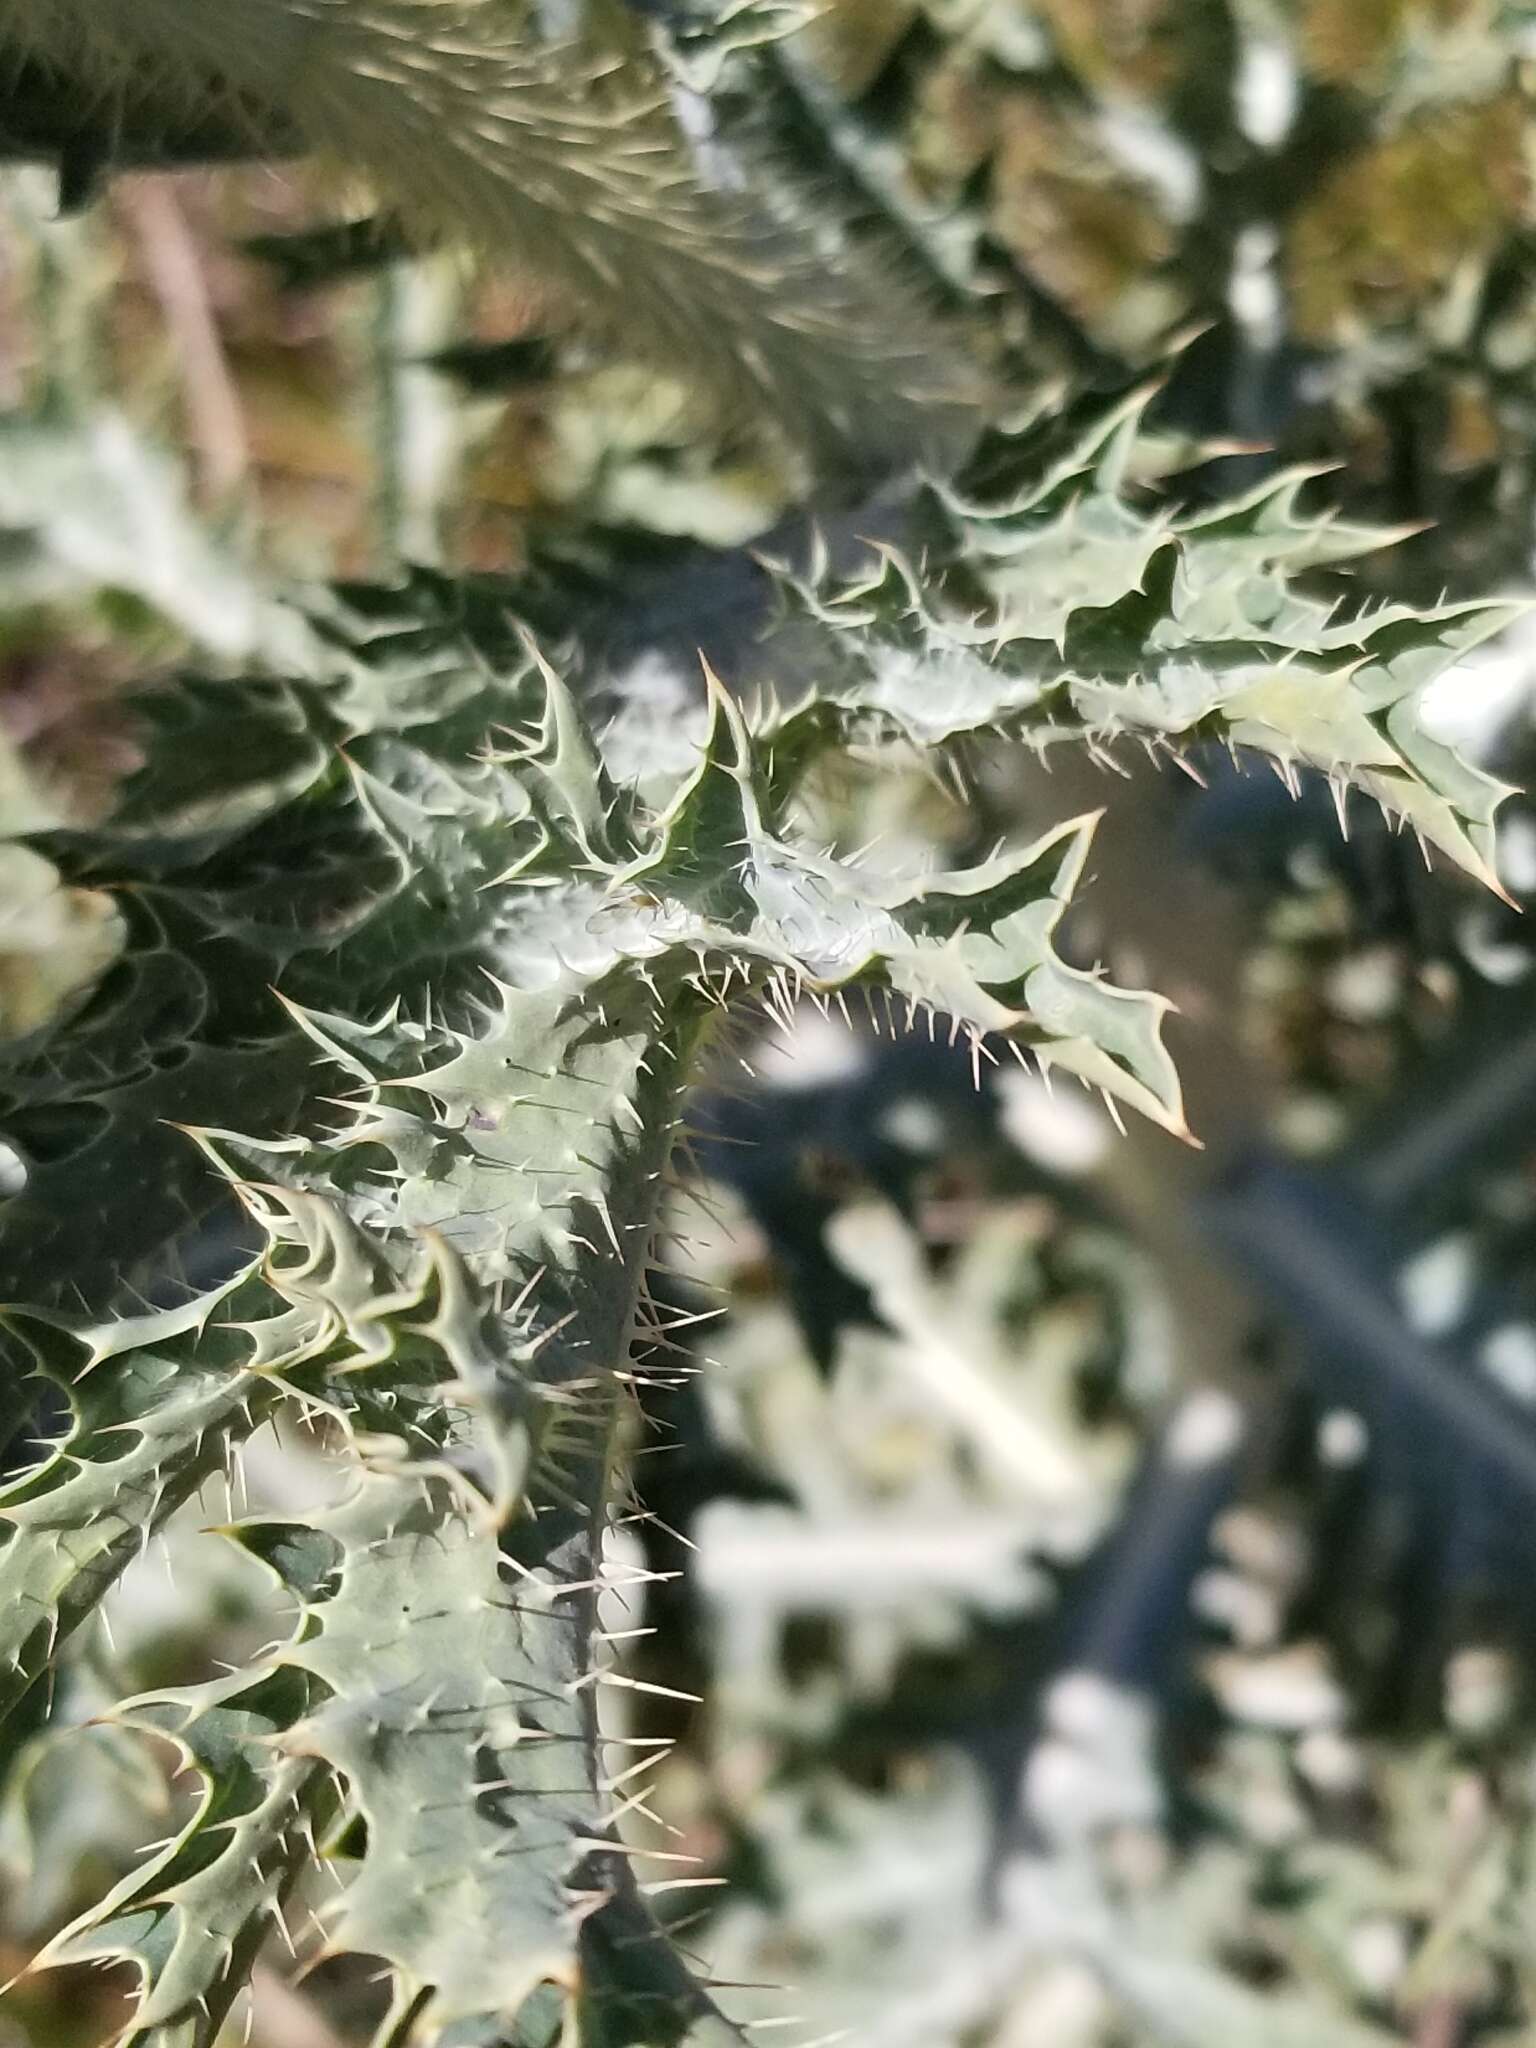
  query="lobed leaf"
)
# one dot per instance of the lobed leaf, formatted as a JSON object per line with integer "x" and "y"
{"x": 1049, "y": 607}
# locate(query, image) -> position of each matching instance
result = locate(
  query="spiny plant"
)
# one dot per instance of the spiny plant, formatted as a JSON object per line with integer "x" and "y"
{"x": 569, "y": 150}
{"x": 1336, "y": 190}
{"x": 499, "y": 961}
{"x": 1043, "y": 599}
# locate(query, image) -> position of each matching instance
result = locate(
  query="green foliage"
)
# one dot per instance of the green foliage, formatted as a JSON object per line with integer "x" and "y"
{"x": 1055, "y": 608}
{"x": 387, "y": 979}
{"x": 497, "y": 971}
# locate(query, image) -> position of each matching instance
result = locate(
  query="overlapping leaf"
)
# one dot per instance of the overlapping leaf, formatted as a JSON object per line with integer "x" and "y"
{"x": 496, "y": 970}
{"x": 1051, "y": 607}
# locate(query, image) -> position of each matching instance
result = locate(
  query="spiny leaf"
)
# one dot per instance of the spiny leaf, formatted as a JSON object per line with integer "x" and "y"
{"x": 974, "y": 946}
{"x": 149, "y": 1425}
{"x": 504, "y": 967}
{"x": 1050, "y": 608}
{"x": 451, "y": 1705}
{"x": 191, "y": 1922}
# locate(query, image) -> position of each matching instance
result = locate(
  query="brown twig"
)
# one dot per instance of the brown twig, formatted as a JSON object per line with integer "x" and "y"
{"x": 215, "y": 420}
{"x": 1441, "y": 2023}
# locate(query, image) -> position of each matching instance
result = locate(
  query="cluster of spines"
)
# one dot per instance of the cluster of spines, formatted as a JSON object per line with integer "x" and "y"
{"x": 483, "y": 1373}
{"x": 456, "y": 1274}
{"x": 1057, "y": 609}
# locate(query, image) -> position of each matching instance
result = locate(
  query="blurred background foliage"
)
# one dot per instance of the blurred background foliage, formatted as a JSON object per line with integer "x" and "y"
{"x": 1040, "y": 1701}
